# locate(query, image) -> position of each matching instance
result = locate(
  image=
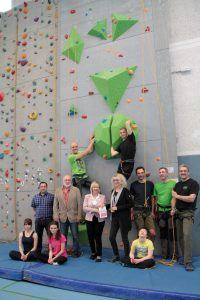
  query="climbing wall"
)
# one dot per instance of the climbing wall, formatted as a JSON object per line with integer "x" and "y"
{"x": 117, "y": 35}
{"x": 28, "y": 83}
{"x": 66, "y": 67}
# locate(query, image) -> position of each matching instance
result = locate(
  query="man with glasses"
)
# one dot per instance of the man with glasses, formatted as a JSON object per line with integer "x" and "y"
{"x": 67, "y": 210}
{"x": 184, "y": 201}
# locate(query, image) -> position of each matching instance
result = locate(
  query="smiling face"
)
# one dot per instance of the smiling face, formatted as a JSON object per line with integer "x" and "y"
{"x": 123, "y": 133}
{"x": 141, "y": 174}
{"x": 95, "y": 189}
{"x": 43, "y": 188}
{"x": 163, "y": 174}
{"x": 183, "y": 173}
{"x": 74, "y": 148}
{"x": 67, "y": 181}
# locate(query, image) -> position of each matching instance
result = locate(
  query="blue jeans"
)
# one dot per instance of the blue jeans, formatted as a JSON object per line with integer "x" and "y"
{"x": 64, "y": 227}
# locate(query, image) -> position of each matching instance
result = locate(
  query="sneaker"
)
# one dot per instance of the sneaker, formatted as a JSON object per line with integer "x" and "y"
{"x": 125, "y": 260}
{"x": 189, "y": 267}
{"x": 181, "y": 260}
{"x": 97, "y": 260}
{"x": 55, "y": 263}
{"x": 114, "y": 259}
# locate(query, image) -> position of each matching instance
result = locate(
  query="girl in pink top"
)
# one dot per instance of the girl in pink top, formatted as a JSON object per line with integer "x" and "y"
{"x": 57, "y": 251}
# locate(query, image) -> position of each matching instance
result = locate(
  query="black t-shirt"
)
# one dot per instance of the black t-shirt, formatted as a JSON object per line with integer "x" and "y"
{"x": 127, "y": 148}
{"x": 137, "y": 189}
{"x": 186, "y": 188}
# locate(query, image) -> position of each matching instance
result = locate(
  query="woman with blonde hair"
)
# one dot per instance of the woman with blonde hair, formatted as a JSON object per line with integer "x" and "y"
{"x": 120, "y": 209}
{"x": 92, "y": 205}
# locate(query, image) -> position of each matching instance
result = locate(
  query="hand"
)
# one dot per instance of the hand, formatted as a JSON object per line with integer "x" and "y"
{"x": 137, "y": 261}
{"x": 50, "y": 261}
{"x": 56, "y": 219}
{"x": 132, "y": 260}
{"x": 23, "y": 257}
{"x": 113, "y": 209}
{"x": 172, "y": 212}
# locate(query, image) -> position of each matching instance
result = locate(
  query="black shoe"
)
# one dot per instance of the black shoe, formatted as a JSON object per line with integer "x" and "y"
{"x": 125, "y": 260}
{"x": 77, "y": 254}
{"x": 97, "y": 260}
{"x": 114, "y": 259}
{"x": 189, "y": 267}
{"x": 181, "y": 260}
{"x": 93, "y": 256}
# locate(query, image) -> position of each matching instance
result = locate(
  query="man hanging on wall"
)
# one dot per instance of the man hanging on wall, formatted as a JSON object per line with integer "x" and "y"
{"x": 127, "y": 150}
{"x": 184, "y": 201}
{"x": 67, "y": 210}
{"x": 77, "y": 164}
{"x": 143, "y": 203}
{"x": 163, "y": 196}
{"x": 42, "y": 205}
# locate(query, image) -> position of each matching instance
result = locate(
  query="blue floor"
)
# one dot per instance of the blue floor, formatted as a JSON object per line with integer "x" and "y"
{"x": 98, "y": 279}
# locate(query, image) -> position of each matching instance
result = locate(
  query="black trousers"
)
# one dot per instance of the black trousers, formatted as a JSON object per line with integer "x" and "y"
{"x": 16, "y": 255}
{"x": 44, "y": 258}
{"x": 81, "y": 183}
{"x": 118, "y": 224}
{"x": 40, "y": 224}
{"x": 125, "y": 169}
{"x": 94, "y": 232}
{"x": 149, "y": 263}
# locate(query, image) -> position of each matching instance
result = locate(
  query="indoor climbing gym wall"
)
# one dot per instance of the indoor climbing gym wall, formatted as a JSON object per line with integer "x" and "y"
{"x": 28, "y": 95}
{"x": 115, "y": 66}
{"x": 70, "y": 69}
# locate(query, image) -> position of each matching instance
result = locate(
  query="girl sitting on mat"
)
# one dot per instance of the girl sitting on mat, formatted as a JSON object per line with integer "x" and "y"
{"x": 57, "y": 251}
{"x": 141, "y": 254}
{"x": 28, "y": 240}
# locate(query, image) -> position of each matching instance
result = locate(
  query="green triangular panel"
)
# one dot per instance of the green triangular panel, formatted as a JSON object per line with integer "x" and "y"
{"x": 99, "y": 30}
{"x": 73, "y": 47}
{"x": 121, "y": 24}
{"x": 102, "y": 138}
{"x": 117, "y": 123}
{"x": 112, "y": 84}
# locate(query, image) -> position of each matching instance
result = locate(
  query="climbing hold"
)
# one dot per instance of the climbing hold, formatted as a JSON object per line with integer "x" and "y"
{"x": 22, "y": 128}
{"x": 112, "y": 85}
{"x": 63, "y": 140}
{"x": 90, "y": 93}
{"x": 73, "y": 47}
{"x": 33, "y": 115}
{"x": 120, "y": 24}
{"x": 72, "y": 110}
{"x": 7, "y": 173}
{"x": 84, "y": 116}
{"x": 75, "y": 88}
{"x": 141, "y": 99}
{"x": 144, "y": 90}
{"x": 24, "y": 35}
{"x": 147, "y": 29}
{"x": 157, "y": 158}
{"x": 72, "y": 11}
{"x": 2, "y": 95}
{"x": 50, "y": 170}
{"x": 99, "y": 30}
{"x": 23, "y": 55}
{"x": 6, "y": 133}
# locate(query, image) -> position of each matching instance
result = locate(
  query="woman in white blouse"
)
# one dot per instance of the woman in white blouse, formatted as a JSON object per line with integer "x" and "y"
{"x": 92, "y": 205}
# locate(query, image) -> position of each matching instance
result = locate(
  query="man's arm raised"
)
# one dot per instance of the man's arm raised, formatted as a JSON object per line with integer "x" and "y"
{"x": 87, "y": 150}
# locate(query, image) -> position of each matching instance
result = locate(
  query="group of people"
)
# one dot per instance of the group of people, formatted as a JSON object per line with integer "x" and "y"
{"x": 166, "y": 202}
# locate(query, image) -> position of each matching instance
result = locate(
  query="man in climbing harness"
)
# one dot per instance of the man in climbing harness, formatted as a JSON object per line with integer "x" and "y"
{"x": 184, "y": 201}
{"x": 143, "y": 202}
{"x": 163, "y": 196}
{"x": 77, "y": 164}
{"x": 127, "y": 150}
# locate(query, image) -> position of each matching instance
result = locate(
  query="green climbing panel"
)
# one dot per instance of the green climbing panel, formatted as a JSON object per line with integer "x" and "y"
{"x": 99, "y": 30}
{"x": 73, "y": 47}
{"x": 107, "y": 134}
{"x": 112, "y": 84}
{"x": 121, "y": 24}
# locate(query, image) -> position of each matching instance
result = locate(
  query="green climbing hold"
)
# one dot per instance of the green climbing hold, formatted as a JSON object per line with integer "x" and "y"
{"x": 73, "y": 47}
{"x": 121, "y": 24}
{"x": 99, "y": 30}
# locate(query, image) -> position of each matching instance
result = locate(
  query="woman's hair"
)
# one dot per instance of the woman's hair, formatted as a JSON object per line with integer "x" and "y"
{"x": 93, "y": 184}
{"x": 58, "y": 233}
{"x": 28, "y": 221}
{"x": 121, "y": 178}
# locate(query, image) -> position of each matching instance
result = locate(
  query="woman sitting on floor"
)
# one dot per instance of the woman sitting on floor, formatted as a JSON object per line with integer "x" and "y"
{"x": 57, "y": 251}
{"x": 141, "y": 254}
{"x": 28, "y": 240}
